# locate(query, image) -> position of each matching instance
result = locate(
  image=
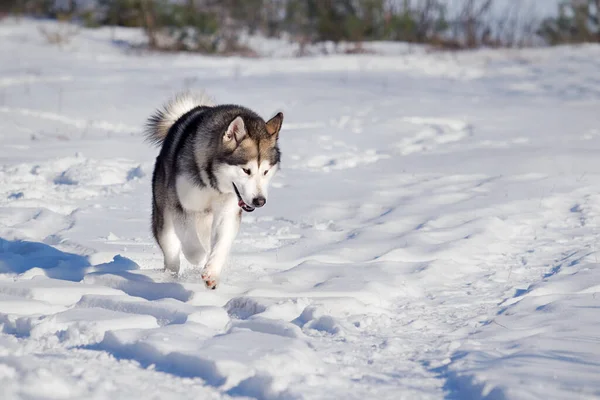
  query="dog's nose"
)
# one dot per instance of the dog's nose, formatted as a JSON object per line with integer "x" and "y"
{"x": 259, "y": 201}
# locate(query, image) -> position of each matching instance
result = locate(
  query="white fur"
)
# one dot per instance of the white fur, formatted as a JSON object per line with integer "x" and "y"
{"x": 250, "y": 186}
{"x": 225, "y": 226}
{"x": 164, "y": 118}
{"x": 170, "y": 243}
{"x": 192, "y": 197}
{"x": 205, "y": 236}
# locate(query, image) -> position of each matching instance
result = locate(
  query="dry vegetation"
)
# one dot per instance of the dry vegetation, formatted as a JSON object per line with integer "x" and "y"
{"x": 214, "y": 26}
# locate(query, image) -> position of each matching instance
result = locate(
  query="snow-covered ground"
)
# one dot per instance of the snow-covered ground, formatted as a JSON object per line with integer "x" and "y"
{"x": 432, "y": 234}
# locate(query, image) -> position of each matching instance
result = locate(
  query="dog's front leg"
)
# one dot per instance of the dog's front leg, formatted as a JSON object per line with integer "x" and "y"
{"x": 226, "y": 223}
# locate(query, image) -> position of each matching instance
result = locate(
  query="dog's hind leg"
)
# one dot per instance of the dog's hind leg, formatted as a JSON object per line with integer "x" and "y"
{"x": 164, "y": 233}
{"x": 185, "y": 227}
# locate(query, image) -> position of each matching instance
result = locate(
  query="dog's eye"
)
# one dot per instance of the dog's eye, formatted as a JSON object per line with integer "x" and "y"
{"x": 247, "y": 171}
{"x": 265, "y": 172}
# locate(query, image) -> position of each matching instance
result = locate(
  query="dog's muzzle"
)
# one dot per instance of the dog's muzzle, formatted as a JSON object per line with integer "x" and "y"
{"x": 241, "y": 202}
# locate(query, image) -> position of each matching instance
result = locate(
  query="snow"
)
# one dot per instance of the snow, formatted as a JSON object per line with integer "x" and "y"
{"x": 432, "y": 232}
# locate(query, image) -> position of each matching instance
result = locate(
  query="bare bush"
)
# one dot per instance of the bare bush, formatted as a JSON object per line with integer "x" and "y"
{"x": 577, "y": 21}
{"x": 215, "y": 26}
{"x": 61, "y": 35}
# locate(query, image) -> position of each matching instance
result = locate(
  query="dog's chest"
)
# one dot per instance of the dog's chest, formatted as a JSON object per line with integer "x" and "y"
{"x": 192, "y": 197}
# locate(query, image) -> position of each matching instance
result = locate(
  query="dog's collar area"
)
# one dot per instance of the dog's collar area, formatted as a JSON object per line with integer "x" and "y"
{"x": 241, "y": 202}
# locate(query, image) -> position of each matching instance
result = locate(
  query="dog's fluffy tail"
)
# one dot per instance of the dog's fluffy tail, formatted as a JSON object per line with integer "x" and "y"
{"x": 162, "y": 120}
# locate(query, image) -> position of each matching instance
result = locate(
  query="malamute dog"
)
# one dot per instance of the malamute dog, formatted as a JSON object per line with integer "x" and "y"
{"x": 214, "y": 162}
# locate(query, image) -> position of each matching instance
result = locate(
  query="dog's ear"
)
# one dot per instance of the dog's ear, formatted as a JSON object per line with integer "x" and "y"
{"x": 235, "y": 132}
{"x": 274, "y": 124}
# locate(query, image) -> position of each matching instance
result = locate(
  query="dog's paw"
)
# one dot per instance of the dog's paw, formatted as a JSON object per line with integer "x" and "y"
{"x": 210, "y": 278}
{"x": 172, "y": 270}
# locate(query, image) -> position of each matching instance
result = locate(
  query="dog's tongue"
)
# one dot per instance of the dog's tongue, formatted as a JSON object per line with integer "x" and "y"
{"x": 245, "y": 206}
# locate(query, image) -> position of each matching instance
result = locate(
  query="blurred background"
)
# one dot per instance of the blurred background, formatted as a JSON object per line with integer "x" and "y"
{"x": 224, "y": 27}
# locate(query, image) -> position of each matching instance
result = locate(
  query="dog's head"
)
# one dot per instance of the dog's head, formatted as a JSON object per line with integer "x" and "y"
{"x": 250, "y": 158}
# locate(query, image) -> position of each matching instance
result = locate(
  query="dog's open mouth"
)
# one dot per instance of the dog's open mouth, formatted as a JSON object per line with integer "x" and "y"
{"x": 241, "y": 202}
